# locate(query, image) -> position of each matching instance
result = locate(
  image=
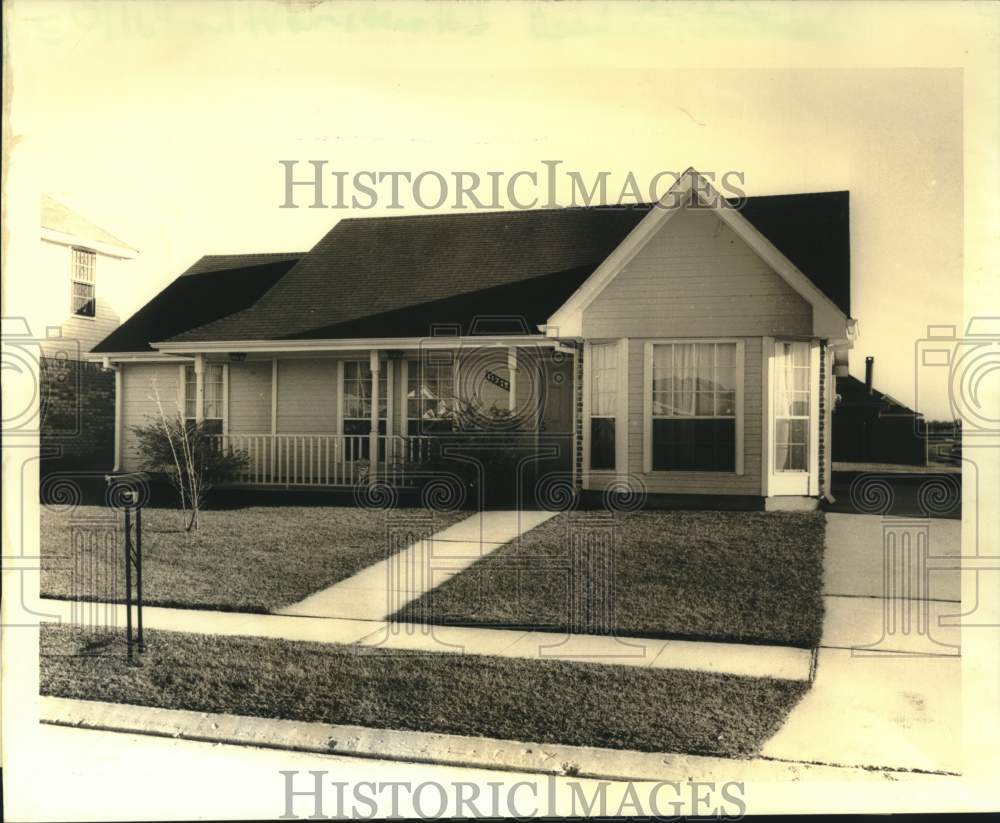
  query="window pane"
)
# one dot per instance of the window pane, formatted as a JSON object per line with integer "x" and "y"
{"x": 431, "y": 390}
{"x": 604, "y": 379}
{"x": 781, "y": 458}
{"x": 213, "y": 391}
{"x": 798, "y": 431}
{"x": 358, "y": 389}
{"x": 726, "y": 354}
{"x": 84, "y": 304}
{"x": 791, "y": 381}
{"x": 725, "y": 378}
{"x": 725, "y": 404}
{"x": 84, "y": 265}
{"x": 791, "y": 447}
{"x": 800, "y": 404}
{"x": 797, "y": 458}
{"x": 706, "y": 358}
{"x": 694, "y": 445}
{"x": 602, "y": 443}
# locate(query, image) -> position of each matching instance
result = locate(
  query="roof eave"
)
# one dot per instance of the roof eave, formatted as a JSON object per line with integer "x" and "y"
{"x": 343, "y": 344}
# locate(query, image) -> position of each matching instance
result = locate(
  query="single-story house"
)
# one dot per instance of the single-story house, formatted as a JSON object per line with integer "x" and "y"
{"x": 870, "y": 426}
{"x": 686, "y": 347}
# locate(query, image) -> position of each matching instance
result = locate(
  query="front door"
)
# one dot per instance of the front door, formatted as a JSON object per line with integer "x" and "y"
{"x": 793, "y": 389}
{"x": 555, "y": 427}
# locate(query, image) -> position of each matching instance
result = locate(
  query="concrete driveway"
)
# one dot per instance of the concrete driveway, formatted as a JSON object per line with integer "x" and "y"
{"x": 888, "y": 676}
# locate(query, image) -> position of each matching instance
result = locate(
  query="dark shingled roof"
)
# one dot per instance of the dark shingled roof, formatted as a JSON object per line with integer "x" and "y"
{"x": 813, "y": 231}
{"x": 369, "y": 267}
{"x": 398, "y": 276}
{"x": 216, "y": 286}
{"x": 854, "y": 397}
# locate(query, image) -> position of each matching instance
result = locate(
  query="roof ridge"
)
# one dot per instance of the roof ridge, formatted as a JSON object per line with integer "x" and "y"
{"x": 554, "y": 209}
{"x": 483, "y": 213}
{"x": 253, "y": 254}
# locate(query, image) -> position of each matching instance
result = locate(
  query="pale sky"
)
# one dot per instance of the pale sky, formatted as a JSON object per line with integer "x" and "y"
{"x": 164, "y": 124}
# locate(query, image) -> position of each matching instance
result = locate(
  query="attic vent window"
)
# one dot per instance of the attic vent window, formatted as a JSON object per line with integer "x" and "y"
{"x": 84, "y": 279}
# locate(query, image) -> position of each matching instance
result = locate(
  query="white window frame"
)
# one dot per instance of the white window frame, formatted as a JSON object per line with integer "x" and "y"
{"x": 790, "y": 483}
{"x": 647, "y": 405}
{"x": 383, "y": 396}
{"x": 85, "y": 277}
{"x": 199, "y": 414}
{"x": 622, "y": 410}
{"x": 612, "y": 363}
{"x": 418, "y": 363}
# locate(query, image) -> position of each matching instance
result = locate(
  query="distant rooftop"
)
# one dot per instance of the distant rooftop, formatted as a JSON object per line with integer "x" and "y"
{"x": 57, "y": 217}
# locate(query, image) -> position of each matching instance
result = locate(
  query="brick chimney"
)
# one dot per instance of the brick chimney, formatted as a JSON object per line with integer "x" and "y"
{"x": 869, "y": 368}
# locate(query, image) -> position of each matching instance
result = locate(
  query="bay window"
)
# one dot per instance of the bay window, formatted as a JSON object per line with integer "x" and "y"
{"x": 694, "y": 402}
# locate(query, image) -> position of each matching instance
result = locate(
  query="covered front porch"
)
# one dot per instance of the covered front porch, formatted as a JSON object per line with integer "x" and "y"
{"x": 348, "y": 416}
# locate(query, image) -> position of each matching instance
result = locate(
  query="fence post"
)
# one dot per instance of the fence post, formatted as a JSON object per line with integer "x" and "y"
{"x": 128, "y": 582}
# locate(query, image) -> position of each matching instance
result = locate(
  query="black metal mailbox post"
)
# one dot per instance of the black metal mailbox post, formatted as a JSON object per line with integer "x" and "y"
{"x": 131, "y": 504}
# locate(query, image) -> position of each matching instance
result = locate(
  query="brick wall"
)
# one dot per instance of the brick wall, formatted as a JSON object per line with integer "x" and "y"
{"x": 77, "y": 415}
{"x": 822, "y": 416}
{"x": 578, "y": 419}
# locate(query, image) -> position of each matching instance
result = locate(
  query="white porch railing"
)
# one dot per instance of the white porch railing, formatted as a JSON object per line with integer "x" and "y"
{"x": 325, "y": 459}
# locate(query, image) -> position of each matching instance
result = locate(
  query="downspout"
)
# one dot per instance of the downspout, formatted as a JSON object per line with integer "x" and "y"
{"x": 119, "y": 384}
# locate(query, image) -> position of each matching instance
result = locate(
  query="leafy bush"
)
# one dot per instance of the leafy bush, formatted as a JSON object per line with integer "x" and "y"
{"x": 483, "y": 448}
{"x": 191, "y": 457}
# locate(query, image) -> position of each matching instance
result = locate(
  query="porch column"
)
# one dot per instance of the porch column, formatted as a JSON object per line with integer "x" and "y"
{"x": 373, "y": 434}
{"x": 274, "y": 395}
{"x": 199, "y": 392}
{"x": 512, "y": 373}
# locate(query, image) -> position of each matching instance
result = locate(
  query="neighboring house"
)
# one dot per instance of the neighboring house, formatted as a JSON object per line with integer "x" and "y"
{"x": 685, "y": 350}
{"x": 872, "y": 427}
{"x": 83, "y": 270}
{"x": 84, "y": 281}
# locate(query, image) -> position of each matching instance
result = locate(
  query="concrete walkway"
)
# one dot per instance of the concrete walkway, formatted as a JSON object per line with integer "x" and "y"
{"x": 723, "y": 658}
{"x": 886, "y": 693}
{"x": 380, "y": 590}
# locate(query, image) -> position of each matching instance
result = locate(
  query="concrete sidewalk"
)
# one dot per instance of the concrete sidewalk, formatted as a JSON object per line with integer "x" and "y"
{"x": 382, "y": 589}
{"x": 723, "y": 658}
{"x": 887, "y": 688}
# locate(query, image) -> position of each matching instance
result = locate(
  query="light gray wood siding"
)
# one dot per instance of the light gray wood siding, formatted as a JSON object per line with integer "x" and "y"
{"x": 83, "y": 333}
{"x": 697, "y": 278}
{"x": 250, "y": 398}
{"x": 142, "y": 383}
{"x": 749, "y": 483}
{"x": 307, "y": 397}
{"x": 54, "y": 278}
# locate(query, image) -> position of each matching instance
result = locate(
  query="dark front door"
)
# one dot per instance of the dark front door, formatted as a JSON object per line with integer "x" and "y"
{"x": 555, "y": 437}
